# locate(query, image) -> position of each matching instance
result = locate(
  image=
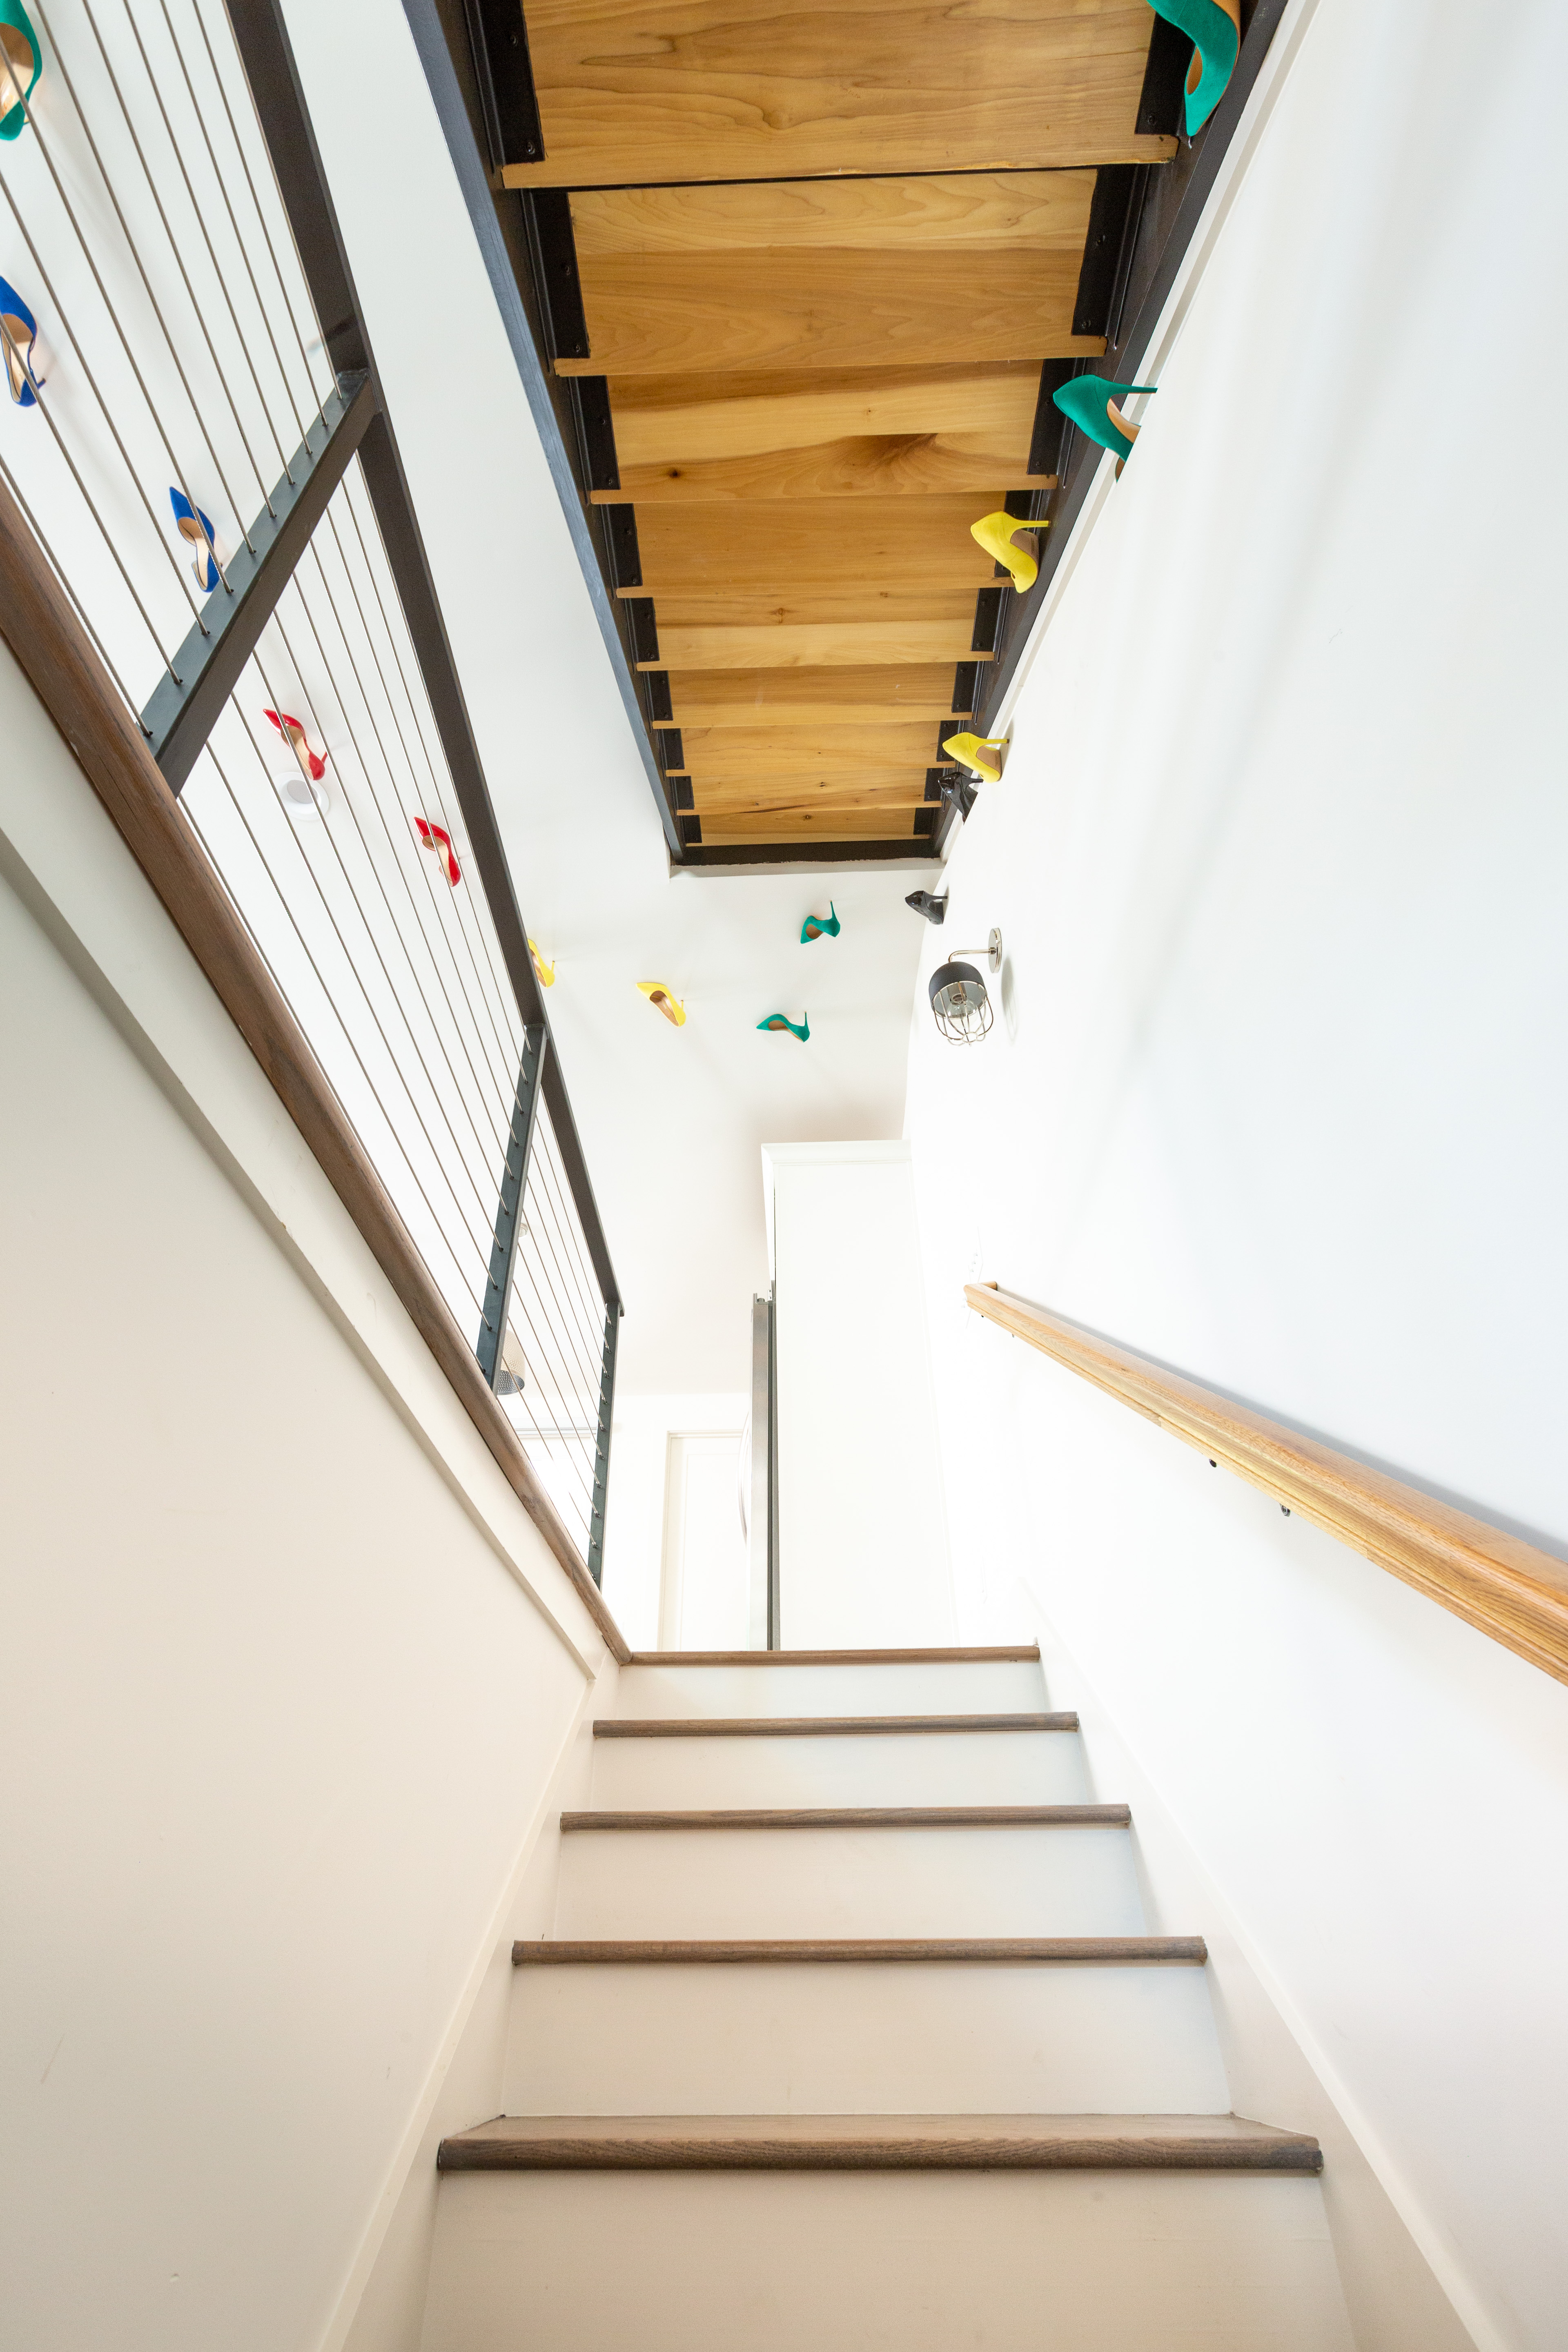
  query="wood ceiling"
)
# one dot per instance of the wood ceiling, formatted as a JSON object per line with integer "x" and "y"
{"x": 814, "y": 273}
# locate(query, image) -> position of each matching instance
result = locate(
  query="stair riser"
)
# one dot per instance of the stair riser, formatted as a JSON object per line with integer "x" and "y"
{"x": 1102, "y": 2262}
{"x": 1006, "y": 1686}
{"x": 742, "y": 1883}
{"x": 863, "y": 2040}
{"x": 946, "y": 1767}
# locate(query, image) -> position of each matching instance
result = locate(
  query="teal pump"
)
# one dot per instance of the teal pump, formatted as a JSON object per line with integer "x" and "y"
{"x": 801, "y": 1028}
{"x": 1215, "y": 32}
{"x": 821, "y": 927}
{"x": 1085, "y": 399}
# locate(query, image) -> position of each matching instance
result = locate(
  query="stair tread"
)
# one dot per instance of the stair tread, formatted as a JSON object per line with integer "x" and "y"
{"x": 710, "y": 1727}
{"x": 1027, "y": 1654}
{"x": 1146, "y": 1951}
{"x": 861, "y": 1817}
{"x": 877, "y": 2143}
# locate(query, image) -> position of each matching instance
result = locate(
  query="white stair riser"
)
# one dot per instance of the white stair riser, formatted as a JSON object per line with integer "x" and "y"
{"x": 909, "y": 2039}
{"x": 946, "y": 1768}
{"x": 695, "y": 1883}
{"x": 996, "y": 1686}
{"x": 1099, "y": 2262}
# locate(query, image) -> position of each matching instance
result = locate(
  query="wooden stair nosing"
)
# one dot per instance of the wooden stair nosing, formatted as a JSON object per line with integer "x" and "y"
{"x": 1024, "y": 1653}
{"x": 878, "y": 2144}
{"x": 964, "y": 1951}
{"x": 791, "y": 1727}
{"x": 864, "y": 1816}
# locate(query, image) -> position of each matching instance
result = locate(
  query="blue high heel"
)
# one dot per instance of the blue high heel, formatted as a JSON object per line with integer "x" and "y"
{"x": 1214, "y": 29}
{"x": 801, "y": 1028}
{"x": 1085, "y": 399}
{"x": 815, "y": 928}
{"x": 21, "y": 63}
{"x": 21, "y": 331}
{"x": 197, "y": 532}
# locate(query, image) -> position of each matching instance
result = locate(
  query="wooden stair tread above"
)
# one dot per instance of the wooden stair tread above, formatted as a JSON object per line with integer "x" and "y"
{"x": 786, "y": 1727}
{"x": 791, "y": 699}
{"x": 663, "y": 420}
{"x": 1025, "y": 211}
{"x": 792, "y": 638}
{"x": 657, "y": 314}
{"x": 905, "y": 465}
{"x": 960, "y": 1951}
{"x": 856, "y": 545}
{"x": 878, "y": 2144}
{"x": 1024, "y": 1654}
{"x": 865, "y": 1817}
{"x": 834, "y": 751}
{"x": 749, "y": 90}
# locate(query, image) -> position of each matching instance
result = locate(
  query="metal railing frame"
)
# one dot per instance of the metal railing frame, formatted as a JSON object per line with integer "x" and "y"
{"x": 179, "y": 718}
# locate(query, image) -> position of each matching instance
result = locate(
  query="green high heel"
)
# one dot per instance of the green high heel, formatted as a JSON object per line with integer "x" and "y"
{"x": 21, "y": 63}
{"x": 821, "y": 927}
{"x": 1085, "y": 399}
{"x": 1214, "y": 29}
{"x": 801, "y": 1028}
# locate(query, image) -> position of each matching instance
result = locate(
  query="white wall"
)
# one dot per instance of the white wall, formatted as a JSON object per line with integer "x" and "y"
{"x": 287, "y": 1673}
{"x": 1277, "y": 1098}
{"x": 863, "y": 1558}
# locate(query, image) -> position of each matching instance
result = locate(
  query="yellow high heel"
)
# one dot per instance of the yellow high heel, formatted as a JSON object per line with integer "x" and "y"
{"x": 969, "y": 750}
{"x": 657, "y": 994}
{"x": 544, "y": 973}
{"x": 994, "y": 534}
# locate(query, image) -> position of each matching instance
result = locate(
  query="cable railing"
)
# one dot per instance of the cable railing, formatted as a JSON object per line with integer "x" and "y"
{"x": 212, "y": 481}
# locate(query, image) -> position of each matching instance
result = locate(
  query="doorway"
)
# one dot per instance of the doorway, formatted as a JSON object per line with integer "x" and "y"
{"x": 704, "y": 1587}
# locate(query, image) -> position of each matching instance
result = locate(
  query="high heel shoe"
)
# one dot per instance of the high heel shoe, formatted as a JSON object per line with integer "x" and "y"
{"x": 994, "y": 534}
{"x": 544, "y": 972}
{"x": 1214, "y": 29}
{"x": 801, "y": 1028}
{"x": 197, "y": 532}
{"x": 21, "y": 331}
{"x": 1086, "y": 400}
{"x": 815, "y": 928}
{"x": 659, "y": 995}
{"x": 967, "y": 749}
{"x": 21, "y": 63}
{"x": 293, "y": 733}
{"x": 435, "y": 839}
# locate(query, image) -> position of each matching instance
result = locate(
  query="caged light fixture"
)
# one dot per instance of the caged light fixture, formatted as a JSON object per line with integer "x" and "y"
{"x": 960, "y": 1001}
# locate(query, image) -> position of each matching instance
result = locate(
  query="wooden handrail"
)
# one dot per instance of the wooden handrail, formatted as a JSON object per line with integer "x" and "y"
{"x": 42, "y": 631}
{"x": 1495, "y": 1581}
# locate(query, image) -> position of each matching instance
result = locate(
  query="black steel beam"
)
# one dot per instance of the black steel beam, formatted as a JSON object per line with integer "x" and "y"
{"x": 206, "y": 669}
{"x": 445, "y": 40}
{"x": 506, "y": 81}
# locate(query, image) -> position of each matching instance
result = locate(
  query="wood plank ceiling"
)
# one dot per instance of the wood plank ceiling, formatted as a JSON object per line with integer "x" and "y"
{"x": 818, "y": 271}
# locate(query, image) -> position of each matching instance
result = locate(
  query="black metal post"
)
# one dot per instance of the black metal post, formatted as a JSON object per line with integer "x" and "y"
{"x": 509, "y": 1215}
{"x": 602, "y": 1449}
{"x": 180, "y": 717}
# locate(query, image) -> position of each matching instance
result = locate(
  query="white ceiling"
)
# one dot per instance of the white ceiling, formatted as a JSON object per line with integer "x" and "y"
{"x": 671, "y": 1119}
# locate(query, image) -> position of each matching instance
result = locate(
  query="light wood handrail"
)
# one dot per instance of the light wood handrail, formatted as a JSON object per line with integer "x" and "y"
{"x": 1495, "y": 1581}
{"x": 51, "y": 646}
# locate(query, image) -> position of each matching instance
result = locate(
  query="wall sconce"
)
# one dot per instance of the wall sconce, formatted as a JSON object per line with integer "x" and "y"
{"x": 959, "y": 999}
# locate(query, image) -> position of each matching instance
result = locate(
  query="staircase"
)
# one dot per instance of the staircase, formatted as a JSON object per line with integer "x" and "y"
{"x": 853, "y": 2036}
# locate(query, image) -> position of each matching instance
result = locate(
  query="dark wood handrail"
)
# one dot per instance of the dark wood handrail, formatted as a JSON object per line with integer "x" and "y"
{"x": 1498, "y": 1583}
{"x": 43, "y": 632}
